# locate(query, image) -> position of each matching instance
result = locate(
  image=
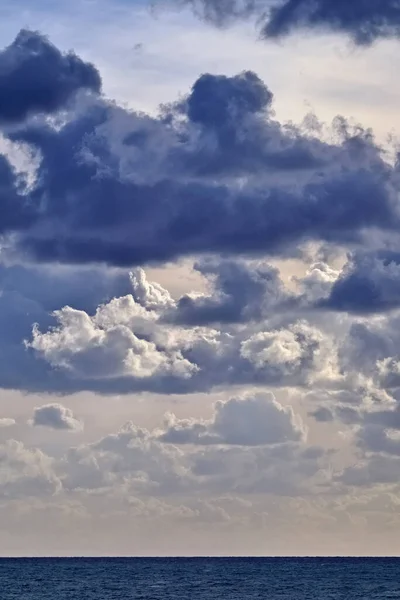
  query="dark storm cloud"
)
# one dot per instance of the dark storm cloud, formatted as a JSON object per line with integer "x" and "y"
{"x": 35, "y": 77}
{"x": 16, "y": 210}
{"x": 222, "y": 11}
{"x": 218, "y": 101}
{"x": 362, "y": 20}
{"x": 214, "y": 173}
{"x": 369, "y": 283}
{"x": 127, "y": 224}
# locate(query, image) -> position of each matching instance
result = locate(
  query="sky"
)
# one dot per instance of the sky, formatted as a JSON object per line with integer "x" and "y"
{"x": 199, "y": 278}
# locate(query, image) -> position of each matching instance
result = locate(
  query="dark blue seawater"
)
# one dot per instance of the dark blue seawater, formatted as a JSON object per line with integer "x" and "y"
{"x": 198, "y": 578}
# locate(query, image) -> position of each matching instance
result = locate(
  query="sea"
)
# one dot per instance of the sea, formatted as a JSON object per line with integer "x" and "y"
{"x": 200, "y": 579}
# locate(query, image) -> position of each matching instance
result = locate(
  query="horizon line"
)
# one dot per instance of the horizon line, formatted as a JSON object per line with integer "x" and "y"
{"x": 201, "y": 556}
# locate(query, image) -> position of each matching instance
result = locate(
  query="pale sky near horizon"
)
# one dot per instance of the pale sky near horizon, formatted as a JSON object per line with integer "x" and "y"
{"x": 272, "y": 432}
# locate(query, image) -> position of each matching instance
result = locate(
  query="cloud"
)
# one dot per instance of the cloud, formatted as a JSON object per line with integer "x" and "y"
{"x": 5, "y": 422}
{"x": 286, "y": 470}
{"x": 144, "y": 340}
{"x": 316, "y": 285}
{"x": 219, "y": 103}
{"x": 376, "y": 428}
{"x": 137, "y": 461}
{"x": 50, "y": 287}
{"x": 132, "y": 342}
{"x": 29, "y": 294}
{"x": 247, "y": 421}
{"x": 221, "y": 12}
{"x": 371, "y": 347}
{"x": 26, "y": 472}
{"x": 297, "y": 352}
{"x": 35, "y": 77}
{"x": 125, "y": 347}
{"x": 106, "y": 347}
{"x": 249, "y": 457}
{"x": 363, "y": 21}
{"x": 323, "y": 415}
{"x": 378, "y": 445}
{"x": 377, "y": 439}
{"x": 56, "y": 416}
{"x": 151, "y": 295}
{"x": 378, "y": 470}
{"x": 132, "y": 455}
{"x": 368, "y": 283}
{"x": 213, "y": 172}
{"x": 242, "y": 293}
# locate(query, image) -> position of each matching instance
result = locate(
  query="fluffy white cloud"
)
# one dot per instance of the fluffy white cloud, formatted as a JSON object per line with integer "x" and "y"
{"x": 106, "y": 345}
{"x": 151, "y": 295}
{"x": 317, "y": 282}
{"x": 298, "y": 352}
